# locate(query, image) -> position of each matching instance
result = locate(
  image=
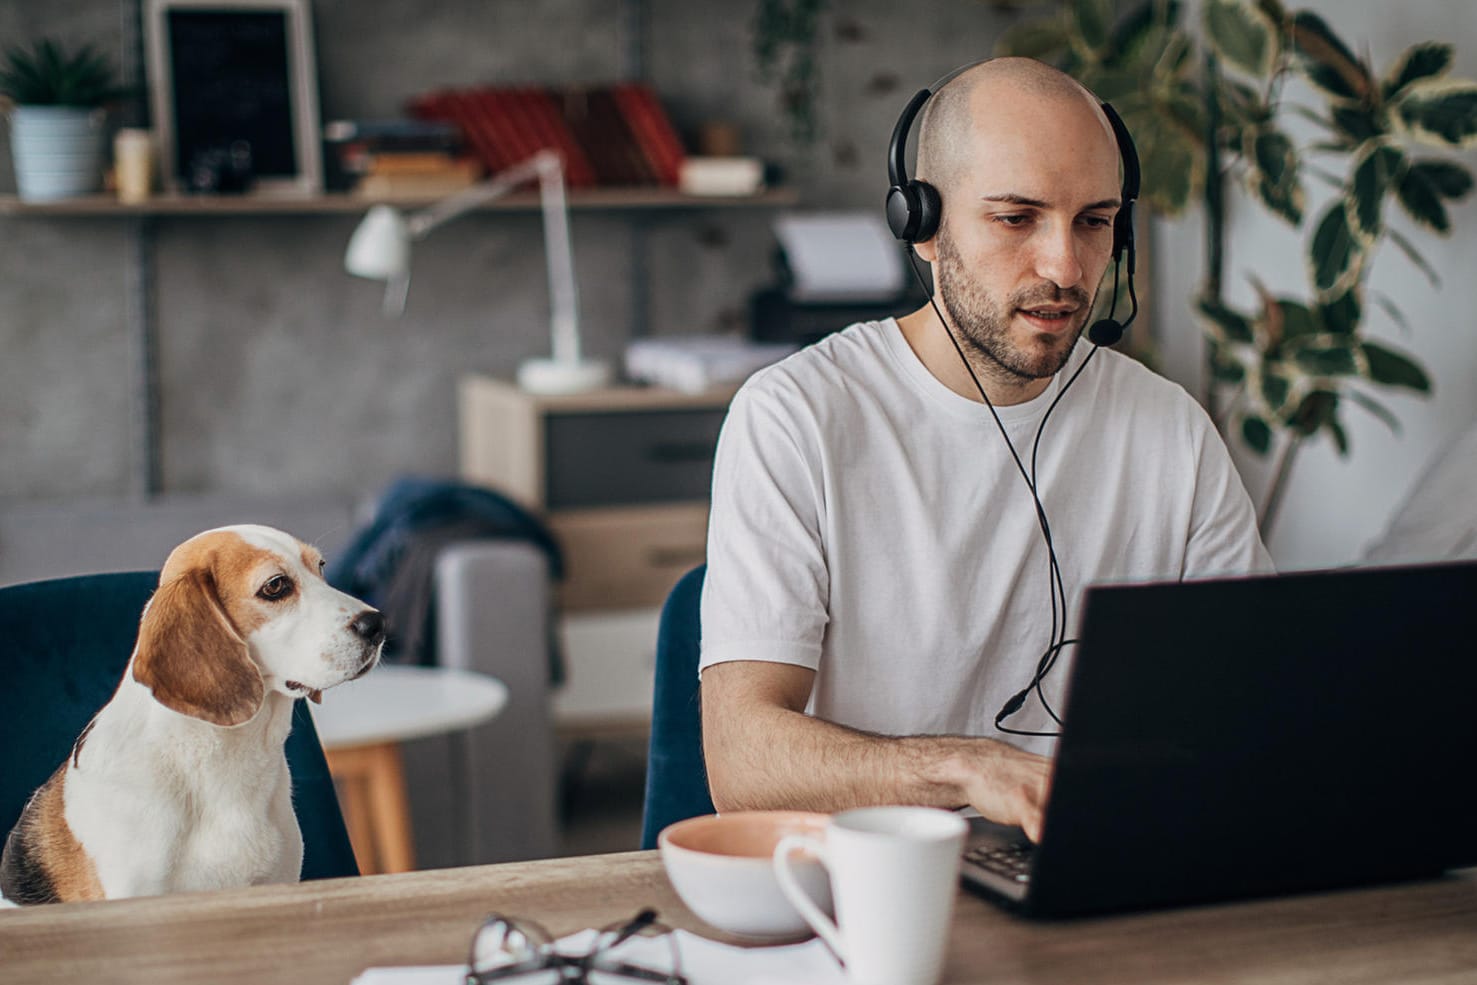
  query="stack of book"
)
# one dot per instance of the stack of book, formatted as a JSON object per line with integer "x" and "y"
{"x": 610, "y": 135}
{"x": 398, "y": 158}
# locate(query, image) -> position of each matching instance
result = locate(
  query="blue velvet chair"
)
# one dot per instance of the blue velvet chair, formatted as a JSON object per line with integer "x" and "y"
{"x": 63, "y": 647}
{"x": 676, "y": 782}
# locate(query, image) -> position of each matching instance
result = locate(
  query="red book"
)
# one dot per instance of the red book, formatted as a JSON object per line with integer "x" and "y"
{"x": 578, "y": 171}
{"x": 654, "y": 132}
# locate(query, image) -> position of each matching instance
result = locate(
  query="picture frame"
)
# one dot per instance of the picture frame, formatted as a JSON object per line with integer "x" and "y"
{"x": 228, "y": 73}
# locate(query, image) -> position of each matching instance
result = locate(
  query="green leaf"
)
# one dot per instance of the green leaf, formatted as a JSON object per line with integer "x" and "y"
{"x": 1357, "y": 123}
{"x": 1226, "y": 370}
{"x": 1225, "y": 324}
{"x": 1408, "y": 248}
{"x": 1313, "y": 412}
{"x": 1374, "y": 407}
{"x": 1389, "y": 307}
{"x": 1420, "y": 196}
{"x": 1441, "y": 112}
{"x": 1393, "y": 369}
{"x": 1173, "y": 167}
{"x": 1275, "y": 387}
{"x": 1256, "y": 434}
{"x": 1297, "y": 320}
{"x": 1426, "y": 60}
{"x": 1038, "y": 39}
{"x": 1374, "y": 171}
{"x": 1274, "y": 177}
{"x": 1333, "y": 250}
{"x": 1329, "y": 359}
{"x": 1093, "y": 20}
{"x": 1328, "y": 62}
{"x": 1340, "y": 436}
{"x": 1142, "y": 32}
{"x": 1241, "y": 35}
{"x": 1342, "y": 314}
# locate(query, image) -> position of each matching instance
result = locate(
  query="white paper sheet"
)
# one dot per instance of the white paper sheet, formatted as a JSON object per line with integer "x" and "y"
{"x": 704, "y": 962}
{"x": 840, "y": 256}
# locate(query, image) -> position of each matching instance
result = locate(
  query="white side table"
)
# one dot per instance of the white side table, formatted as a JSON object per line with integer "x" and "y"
{"x": 361, "y": 725}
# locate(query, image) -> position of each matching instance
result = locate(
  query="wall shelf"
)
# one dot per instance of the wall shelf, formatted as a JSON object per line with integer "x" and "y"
{"x": 592, "y": 199}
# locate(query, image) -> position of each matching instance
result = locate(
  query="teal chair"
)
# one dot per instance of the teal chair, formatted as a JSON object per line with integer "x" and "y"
{"x": 63, "y": 647}
{"x": 676, "y": 780}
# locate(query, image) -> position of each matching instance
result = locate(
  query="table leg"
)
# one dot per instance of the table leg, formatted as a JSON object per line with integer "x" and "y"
{"x": 371, "y": 783}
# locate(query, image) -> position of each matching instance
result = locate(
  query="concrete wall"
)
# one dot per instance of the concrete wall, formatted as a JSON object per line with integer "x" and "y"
{"x": 278, "y": 372}
{"x": 279, "y": 375}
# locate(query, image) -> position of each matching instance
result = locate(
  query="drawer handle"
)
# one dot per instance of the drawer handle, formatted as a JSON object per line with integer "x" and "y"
{"x": 667, "y": 557}
{"x": 673, "y": 452}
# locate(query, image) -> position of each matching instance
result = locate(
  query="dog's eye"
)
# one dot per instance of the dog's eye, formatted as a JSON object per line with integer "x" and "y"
{"x": 276, "y": 587}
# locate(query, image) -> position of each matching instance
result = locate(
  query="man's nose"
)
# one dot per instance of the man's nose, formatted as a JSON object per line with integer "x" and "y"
{"x": 1057, "y": 257}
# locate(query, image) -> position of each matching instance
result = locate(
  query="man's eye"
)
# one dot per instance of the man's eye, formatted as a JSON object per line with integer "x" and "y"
{"x": 1097, "y": 221}
{"x": 1013, "y": 220}
{"x": 276, "y": 587}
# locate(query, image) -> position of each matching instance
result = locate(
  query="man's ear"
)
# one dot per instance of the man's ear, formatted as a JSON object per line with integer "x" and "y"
{"x": 191, "y": 657}
{"x": 928, "y": 249}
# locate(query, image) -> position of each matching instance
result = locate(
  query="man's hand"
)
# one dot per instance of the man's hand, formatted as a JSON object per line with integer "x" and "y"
{"x": 1005, "y": 784}
{"x": 764, "y": 752}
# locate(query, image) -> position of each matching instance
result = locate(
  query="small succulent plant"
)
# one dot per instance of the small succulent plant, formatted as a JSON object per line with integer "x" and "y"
{"x": 46, "y": 74}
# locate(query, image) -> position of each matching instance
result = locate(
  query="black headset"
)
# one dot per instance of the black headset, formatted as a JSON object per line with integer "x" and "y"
{"x": 914, "y": 207}
{"x": 914, "y": 210}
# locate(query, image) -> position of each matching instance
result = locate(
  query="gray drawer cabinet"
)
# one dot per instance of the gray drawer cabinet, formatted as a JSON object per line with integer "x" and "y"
{"x": 621, "y": 475}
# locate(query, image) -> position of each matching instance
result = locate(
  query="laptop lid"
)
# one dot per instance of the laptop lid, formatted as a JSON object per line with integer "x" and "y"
{"x": 1264, "y": 735}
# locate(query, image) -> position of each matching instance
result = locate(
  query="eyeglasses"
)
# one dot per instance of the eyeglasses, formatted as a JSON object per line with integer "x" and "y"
{"x": 516, "y": 950}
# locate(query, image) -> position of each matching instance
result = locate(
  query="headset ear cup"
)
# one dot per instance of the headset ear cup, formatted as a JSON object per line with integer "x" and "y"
{"x": 930, "y": 211}
{"x": 902, "y": 211}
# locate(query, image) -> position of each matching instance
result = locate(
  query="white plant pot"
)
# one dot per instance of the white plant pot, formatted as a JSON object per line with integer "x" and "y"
{"x": 58, "y": 151}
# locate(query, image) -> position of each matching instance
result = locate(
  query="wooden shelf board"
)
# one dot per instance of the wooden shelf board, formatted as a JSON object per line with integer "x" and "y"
{"x": 229, "y": 205}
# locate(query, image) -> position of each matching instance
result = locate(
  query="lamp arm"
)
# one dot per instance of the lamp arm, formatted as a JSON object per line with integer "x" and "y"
{"x": 548, "y": 168}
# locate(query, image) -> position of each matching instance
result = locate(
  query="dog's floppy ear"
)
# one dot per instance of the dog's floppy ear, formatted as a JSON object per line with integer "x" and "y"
{"x": 191, "y": 657}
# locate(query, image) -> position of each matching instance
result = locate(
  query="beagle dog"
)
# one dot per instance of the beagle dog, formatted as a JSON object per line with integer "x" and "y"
{"x": 180, "y": 781}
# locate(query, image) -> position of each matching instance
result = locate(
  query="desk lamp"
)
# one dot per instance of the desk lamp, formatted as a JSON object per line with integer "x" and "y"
{"x": 380, "y": 250}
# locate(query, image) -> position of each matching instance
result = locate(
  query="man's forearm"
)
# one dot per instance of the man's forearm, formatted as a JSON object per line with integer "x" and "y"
{"x": 788, "y": 759}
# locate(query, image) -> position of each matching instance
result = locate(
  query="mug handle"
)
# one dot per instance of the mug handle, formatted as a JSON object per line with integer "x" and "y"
{"x": 797, "y": 896}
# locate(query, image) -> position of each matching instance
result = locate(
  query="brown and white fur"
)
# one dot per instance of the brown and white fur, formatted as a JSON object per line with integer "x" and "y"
{"x": 180, "y": 782}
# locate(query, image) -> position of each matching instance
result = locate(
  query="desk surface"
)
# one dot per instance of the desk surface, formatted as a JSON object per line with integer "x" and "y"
{"x": 326, "y": 932}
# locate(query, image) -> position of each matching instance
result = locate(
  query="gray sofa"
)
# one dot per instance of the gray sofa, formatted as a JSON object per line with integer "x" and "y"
{"x": 493, "y": 601}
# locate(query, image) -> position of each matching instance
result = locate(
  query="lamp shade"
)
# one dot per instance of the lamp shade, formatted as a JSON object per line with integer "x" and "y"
{"x": 380, "y": 246}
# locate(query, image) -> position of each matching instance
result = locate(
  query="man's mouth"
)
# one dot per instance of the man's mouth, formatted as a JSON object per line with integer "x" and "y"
{"x": 1049, "y": 317}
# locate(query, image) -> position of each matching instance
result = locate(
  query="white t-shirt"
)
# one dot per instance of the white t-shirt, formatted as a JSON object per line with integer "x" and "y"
{"x": 868, "y": 523}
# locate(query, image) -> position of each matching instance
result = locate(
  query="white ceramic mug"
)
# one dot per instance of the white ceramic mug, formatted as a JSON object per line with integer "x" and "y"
{"x": 894, "y": 874}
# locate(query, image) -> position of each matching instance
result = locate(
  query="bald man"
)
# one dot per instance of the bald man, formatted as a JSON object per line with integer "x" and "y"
{"x": 877, "y": 582}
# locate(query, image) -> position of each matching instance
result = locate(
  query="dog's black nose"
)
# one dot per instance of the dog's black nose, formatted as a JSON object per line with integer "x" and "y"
{"x": 369, "y": 625}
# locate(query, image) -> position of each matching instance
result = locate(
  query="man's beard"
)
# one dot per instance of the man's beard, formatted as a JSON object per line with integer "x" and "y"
{"x": 984, "y": 324}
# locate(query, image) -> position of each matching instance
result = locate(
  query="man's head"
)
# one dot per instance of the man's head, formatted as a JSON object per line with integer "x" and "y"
{"x": 1027, "y": 168}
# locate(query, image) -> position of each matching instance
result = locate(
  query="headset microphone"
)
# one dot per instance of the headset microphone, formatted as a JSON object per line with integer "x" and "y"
{"x": 914, "y": 212}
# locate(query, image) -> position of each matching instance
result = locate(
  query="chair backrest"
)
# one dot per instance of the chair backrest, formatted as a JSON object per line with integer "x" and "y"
{"x": 676, "y": 781}
{"x": 63, "y": 647}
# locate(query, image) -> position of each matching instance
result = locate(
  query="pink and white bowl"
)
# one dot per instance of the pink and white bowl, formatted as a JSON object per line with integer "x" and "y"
{"x": 722, "y": 867}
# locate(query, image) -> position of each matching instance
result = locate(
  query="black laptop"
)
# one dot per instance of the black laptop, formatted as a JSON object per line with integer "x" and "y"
{"x": 1255, "y": 736}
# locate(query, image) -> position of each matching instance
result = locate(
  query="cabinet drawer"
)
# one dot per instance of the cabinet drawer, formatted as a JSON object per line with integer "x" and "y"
{"x": 632, "y": 457}
{"x": 628, "y": 558}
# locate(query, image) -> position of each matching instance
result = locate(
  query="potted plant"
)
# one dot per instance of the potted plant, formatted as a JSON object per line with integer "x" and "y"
{"x": 1210, "y": 116}
{"x": 56, "y": 101}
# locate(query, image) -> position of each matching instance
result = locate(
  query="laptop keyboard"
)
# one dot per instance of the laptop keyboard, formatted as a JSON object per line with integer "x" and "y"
{"x": 1011, "y": 861}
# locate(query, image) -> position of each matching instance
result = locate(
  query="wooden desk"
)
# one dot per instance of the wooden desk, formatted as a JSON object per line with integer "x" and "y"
{"x": 326, "y": 932}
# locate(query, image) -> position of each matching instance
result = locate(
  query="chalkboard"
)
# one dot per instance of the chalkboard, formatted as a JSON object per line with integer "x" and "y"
{"x": 234, "y": 74}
